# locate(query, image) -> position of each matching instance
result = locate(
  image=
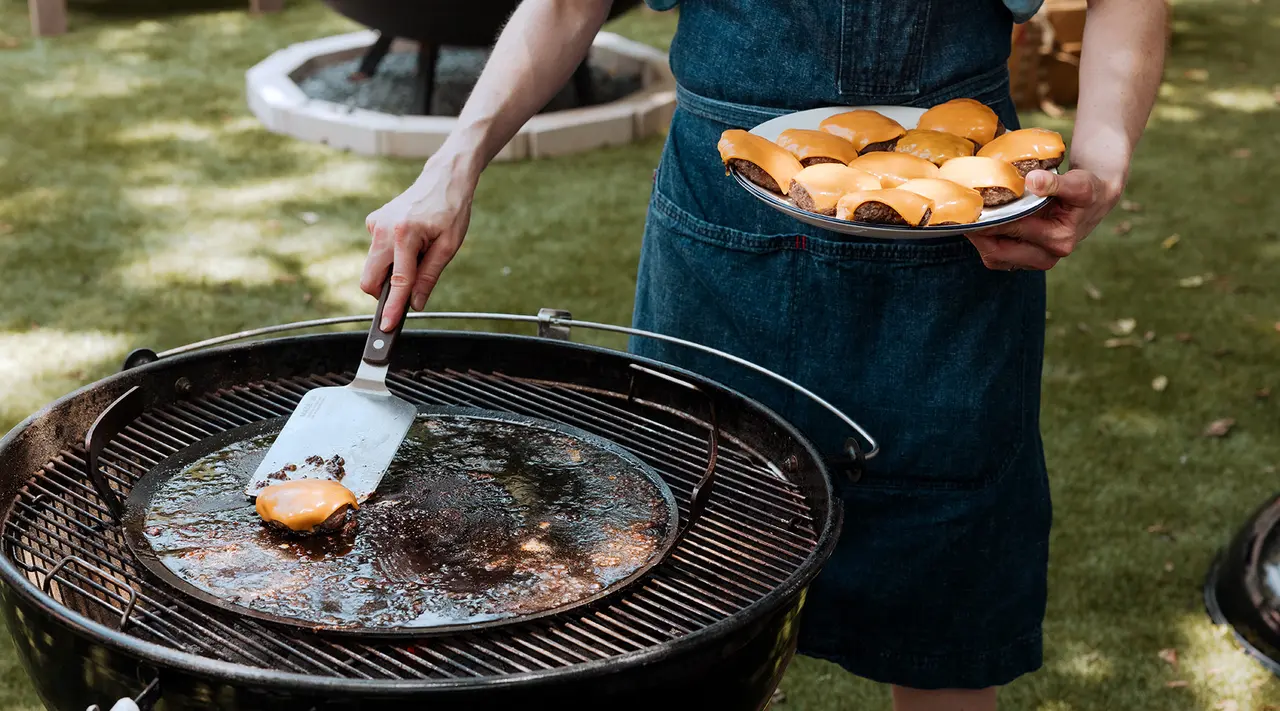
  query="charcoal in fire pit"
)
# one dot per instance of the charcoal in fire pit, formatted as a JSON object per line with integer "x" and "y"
{"x": 391, "y": 89}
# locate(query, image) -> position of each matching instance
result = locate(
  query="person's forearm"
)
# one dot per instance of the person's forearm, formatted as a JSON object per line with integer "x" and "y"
{"x": 537, "y": 52}
{"x": 1120, "y": 69}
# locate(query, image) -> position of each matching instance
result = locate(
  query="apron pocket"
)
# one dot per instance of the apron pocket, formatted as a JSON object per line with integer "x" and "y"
{"x": 882, "y": 48}
{"x": 936, "y": 356}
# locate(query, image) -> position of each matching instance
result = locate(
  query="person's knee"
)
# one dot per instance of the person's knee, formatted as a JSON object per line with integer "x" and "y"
{"x": 905, "y": 699}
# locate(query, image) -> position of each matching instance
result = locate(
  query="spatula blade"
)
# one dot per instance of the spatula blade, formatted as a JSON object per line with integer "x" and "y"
{"x": 363, "y": 427}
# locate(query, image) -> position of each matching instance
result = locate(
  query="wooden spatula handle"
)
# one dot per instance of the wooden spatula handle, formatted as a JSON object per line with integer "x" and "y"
{"x": 377, "y": 350}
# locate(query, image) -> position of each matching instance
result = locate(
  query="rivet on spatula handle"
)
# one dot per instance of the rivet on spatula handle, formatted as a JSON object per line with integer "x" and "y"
{"x": 377, "y": 350}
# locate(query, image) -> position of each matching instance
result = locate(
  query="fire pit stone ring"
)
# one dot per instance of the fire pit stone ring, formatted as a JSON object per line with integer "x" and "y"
{"x": 275, "y": 98}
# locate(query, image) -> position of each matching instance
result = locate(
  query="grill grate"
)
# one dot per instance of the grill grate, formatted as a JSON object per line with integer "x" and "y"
{"x": 756, "y": 530}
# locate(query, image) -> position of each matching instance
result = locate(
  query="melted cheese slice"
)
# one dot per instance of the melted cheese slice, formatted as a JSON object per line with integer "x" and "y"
{"x": 894, "y": 169}
{"x": 979, "y": 172}
{"x": 303, "y": 504}
{"x": 826, "y": 183}
{"x": 862, "y": 127}
{"x": 736, "y": 144}
{"x": 1025, "y": 144}
{"x": 911, "y": 206}
{"x": 934, "y": 146}
{"x": 965, "y": 118}
{"x": 951, "y": 202}
{"x": 806, "y": 143}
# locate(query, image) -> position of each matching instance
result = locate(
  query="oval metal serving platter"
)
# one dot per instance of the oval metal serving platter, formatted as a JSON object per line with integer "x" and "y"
{"x": 225, "y": 503}
{"x": 908, "y": 117}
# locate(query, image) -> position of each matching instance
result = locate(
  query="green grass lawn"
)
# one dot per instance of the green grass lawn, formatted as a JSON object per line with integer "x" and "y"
{"x": 142, "y": 205}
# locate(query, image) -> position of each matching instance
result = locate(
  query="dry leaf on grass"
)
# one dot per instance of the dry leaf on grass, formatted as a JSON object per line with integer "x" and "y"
{"x": 1083, "y": 327}
{"x": 1168, "y": 566}
{"x": 1170, "y": 656}
{"x": 1197, "y": 74}
{"x": 1130, "y": 206}
{"x": 1263, "y": 393}
{"x": 1124, "y": 228}
{"x": 1122, "y": 343}
{"x": 1277, "y": 326}
{"x": 10, "y": 43}
{"x": 1124, "y": 326}
{"x": 1149, "y": 336}
{"x": 1219, "y": 428}
{"x": 1093, "y": 292}
{"x": 1159, "y": 383}
{"x": 1227, "y": 705}
{"x": 1176, "y": 684}
{"x": 1157, "y": 528}
{"x": 1241, "y": 153}
{"x": 1184, "y": 337}
{"x": 1193, "y": 282}
{"x": 1170, "y": 241}
{"x": 309, "y": 217}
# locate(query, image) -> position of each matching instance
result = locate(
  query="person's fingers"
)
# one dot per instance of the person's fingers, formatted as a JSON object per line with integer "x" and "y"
{"x": 438, "y": 256}
{"x": 1075, "y": 188}
{"x": 1005, "y": 254}
{"x": 381, "y": 253}
{"x": 1021, "y": 229}
{"x": 1055, "y": 233}
{"x": 405, "y": 269}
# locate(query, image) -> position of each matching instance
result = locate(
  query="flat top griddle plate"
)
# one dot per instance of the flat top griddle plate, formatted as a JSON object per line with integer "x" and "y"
{"x": 483, "y": 518}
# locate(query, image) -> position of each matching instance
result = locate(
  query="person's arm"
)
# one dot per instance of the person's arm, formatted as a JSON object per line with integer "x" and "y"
{"x": 1121, "y": 65}
{"x": 536, "y": 53}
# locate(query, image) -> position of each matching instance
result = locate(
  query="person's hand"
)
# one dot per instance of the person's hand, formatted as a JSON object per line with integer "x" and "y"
{"x": 430, "y": 218}
{"x": 1079, "y": 201}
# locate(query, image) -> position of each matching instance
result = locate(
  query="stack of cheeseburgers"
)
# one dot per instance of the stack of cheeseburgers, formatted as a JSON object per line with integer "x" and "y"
{"x": 863, "y": 166}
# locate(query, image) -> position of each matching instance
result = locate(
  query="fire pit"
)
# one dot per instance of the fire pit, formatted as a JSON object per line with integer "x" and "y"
{"x": 434, "y": 25}
{"x": 396, "y": 88}
{"x": 713, "y": 625}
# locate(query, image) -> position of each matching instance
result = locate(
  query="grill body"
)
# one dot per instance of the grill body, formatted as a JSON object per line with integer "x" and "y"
{"x": 713, "y": 626}
{"x": 71, "y": 668}
{"x": 471, "y": 24}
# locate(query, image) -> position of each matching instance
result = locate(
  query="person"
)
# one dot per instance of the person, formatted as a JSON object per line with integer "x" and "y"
{"x": 938, "y": 583}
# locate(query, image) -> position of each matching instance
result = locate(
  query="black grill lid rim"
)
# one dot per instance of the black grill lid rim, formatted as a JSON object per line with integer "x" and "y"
{"x": 114, "y": 385}
{"x": 1226, "y": 597}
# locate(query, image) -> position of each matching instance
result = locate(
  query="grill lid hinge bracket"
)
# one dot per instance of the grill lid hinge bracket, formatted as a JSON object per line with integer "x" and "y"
{"x": 548, "y": 326}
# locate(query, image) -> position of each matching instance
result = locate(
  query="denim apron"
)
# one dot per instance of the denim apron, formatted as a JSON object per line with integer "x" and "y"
{"x": 938, "y": 580}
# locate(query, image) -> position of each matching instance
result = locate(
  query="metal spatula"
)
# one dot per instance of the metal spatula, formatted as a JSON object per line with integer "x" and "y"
{"x": 361, "y": 422}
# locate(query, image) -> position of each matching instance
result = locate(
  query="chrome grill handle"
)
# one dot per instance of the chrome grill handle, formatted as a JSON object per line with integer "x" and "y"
{"x": 554, "y": 324}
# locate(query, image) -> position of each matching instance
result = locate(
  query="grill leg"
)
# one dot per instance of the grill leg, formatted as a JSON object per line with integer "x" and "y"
{"x": 582, "y": 85}
{"x": 373, "y": 57}
{"x": 426, "y": 85}
{"x": 48, "y": 17}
